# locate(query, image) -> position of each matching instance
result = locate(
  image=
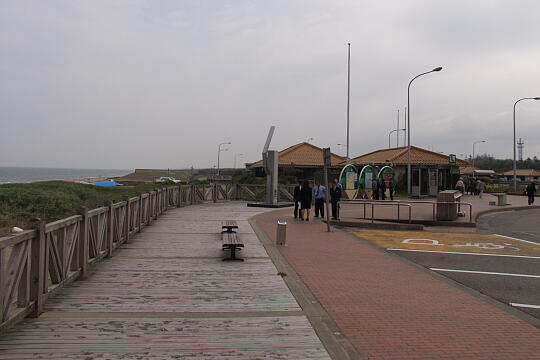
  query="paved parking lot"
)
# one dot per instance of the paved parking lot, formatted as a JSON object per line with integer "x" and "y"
{"x": 504, "y": 268}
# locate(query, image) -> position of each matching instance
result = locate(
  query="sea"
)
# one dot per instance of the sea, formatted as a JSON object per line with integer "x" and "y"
{"x": 30, "y": 174}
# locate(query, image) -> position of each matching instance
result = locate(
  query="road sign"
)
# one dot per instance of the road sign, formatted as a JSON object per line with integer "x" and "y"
{"x": 452, "y": 159}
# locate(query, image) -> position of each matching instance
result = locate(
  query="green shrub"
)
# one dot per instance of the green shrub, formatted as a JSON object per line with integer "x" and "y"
{"x": 54, "y": 200}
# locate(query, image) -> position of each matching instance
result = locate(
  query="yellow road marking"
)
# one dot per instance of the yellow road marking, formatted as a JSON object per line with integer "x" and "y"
{"x": 452, "y": 242}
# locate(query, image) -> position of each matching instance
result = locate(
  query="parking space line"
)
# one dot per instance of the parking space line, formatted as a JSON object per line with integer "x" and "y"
{"x": 526, "y": 306}
{"x": 513, "y": 238}
{"x": 464, "y": 253}
{"x": 485, "y": 273}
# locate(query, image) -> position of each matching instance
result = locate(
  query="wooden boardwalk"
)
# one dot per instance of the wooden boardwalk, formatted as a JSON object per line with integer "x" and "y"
{"x": 167, "y": 295}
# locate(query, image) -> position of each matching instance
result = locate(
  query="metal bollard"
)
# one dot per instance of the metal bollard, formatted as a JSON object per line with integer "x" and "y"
{"x": 281, "y": 235}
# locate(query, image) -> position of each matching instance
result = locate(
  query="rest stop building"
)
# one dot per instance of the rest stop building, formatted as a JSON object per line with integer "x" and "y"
{"x": 430, "y": 171}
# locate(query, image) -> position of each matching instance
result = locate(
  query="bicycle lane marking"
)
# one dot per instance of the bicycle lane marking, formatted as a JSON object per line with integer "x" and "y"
{"x": 470, "y": 243}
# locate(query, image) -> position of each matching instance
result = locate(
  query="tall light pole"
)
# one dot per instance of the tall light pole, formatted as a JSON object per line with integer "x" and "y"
{"x": 219, "y": 151}
{"x": 476, "y": 142}
{"x": 390, "y": 133}
{"x": 405, "y": 126}
{"x": 526, "y": 98}
{"x": 409, "y": 128}
{"x": 235, "y": 156}
{"x": 348, "y": 93}
{"x": 397, "y": 133}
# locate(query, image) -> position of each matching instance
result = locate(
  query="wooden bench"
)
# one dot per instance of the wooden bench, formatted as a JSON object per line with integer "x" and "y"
{"x": 229, "y": 225}
{"x": 232, "y": 243}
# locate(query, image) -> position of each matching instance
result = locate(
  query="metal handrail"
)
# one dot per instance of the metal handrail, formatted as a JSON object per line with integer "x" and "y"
{"x": 381, "y": 202}
{"x": 408, "y": 204}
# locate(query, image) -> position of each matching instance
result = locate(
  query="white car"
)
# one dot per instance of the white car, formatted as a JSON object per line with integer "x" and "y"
{"x": 167, "y": 178}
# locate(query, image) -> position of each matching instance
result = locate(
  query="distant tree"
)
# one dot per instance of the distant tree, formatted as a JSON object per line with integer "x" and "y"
{"x": 488, "y": 162}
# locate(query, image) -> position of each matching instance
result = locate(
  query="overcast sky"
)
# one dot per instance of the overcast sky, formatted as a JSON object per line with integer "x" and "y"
{"x": 157, "y": 84}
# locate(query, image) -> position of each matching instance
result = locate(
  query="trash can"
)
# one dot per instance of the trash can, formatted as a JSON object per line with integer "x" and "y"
{"x": 501, "y": 199}
{"x": 281, "y": 235}
{"x": 448, "y": 205}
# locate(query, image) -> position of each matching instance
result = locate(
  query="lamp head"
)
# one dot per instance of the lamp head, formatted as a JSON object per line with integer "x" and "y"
{"x": 437, "y": 69}
{"x": 537, "y": 98}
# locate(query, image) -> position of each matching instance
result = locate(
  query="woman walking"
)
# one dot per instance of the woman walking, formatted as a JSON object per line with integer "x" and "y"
{"x": 305, "y": 201}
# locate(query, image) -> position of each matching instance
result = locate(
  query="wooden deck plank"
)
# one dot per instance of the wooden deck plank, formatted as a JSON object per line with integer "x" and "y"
{"x": 174, "y": 298}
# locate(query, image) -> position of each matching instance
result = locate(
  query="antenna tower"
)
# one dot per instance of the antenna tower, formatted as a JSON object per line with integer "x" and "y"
{"x": 520, "y": 145}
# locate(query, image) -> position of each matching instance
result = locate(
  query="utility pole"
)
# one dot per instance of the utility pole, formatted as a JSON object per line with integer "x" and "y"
{"x": 348, "y": 93}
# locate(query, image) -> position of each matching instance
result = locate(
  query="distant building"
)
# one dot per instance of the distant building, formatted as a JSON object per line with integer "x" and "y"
{"x": 523, "y": 175}
{"x": 430, "y": 171}
{"x": 303, "y": 160}
{"x": 475, "y": 172}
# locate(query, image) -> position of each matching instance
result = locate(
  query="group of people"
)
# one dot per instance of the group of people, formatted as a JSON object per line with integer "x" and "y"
{"x": 472, "y": 186}
{"x": 477, "y": 187}
{"x": 379, "y": 190}
{"x": 304, "y": 196}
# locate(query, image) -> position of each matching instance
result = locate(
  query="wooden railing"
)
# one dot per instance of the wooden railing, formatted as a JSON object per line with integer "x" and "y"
{"x": 257, "y": 192}
{"x": 37, "y": 263}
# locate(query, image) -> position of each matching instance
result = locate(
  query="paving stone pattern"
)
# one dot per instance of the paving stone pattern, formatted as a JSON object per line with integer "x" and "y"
{"x": 389, "y": 309}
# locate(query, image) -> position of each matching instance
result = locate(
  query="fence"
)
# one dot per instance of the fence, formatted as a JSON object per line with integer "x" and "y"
{"x": 408, "y": 204}
{"x": 37, "y": 263}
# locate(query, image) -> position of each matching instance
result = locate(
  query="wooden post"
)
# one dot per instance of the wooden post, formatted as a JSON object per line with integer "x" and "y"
{"x": 155, "y": 204}
{"x": 110, "y": 229}
{"x": 23, "y": 293}
{"x": 179, "y": 197}
{"x": 192, "y": 196}
{"x": 38, "y": 271}
{"x": 83, "y": 242}
{"x": 127, "y": 218}
{"x": 158, "y": 202}
{"x": 140, "y": 219}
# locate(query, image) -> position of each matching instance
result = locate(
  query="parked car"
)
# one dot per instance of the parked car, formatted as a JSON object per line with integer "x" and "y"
{"x": 166, "y": 179}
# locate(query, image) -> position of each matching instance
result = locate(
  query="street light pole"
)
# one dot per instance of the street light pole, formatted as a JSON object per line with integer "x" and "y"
{"x": 235, "y": 156}
{"x": 390, "y": 133}
{"x": 219, "y": 151}
{"x": 397, "y": 127}
{"x": 344, "y": 145}
{"x": 526, "y": 98}
{"x": 476, "y": 142}
{"x": 348, "y": 93}
{"x": 409, "y": 128}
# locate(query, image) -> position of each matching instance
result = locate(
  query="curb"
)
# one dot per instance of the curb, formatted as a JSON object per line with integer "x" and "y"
{"x": 378, "y": 225}
{"x": 518, "y": 208}
{"x": 327, "y": 330}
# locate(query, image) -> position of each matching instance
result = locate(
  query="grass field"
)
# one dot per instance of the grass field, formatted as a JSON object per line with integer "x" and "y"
{"x": 54, "y": 200}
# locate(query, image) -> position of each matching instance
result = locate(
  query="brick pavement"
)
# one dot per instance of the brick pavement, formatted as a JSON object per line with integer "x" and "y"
{"x": 390, "y": 309}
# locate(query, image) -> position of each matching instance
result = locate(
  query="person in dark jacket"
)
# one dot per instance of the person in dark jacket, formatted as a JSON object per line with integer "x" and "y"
{"x": 375, "y": 189}
{"x": 531, "y": 190}
{"x": 305, "y": 201}
{"x": 335, "y": 198}
{"x": 296, "y": 195}
{"x": 383, "y": 190}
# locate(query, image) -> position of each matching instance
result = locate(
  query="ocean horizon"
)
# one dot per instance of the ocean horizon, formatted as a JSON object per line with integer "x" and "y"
{"x": 12, "y": 174}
